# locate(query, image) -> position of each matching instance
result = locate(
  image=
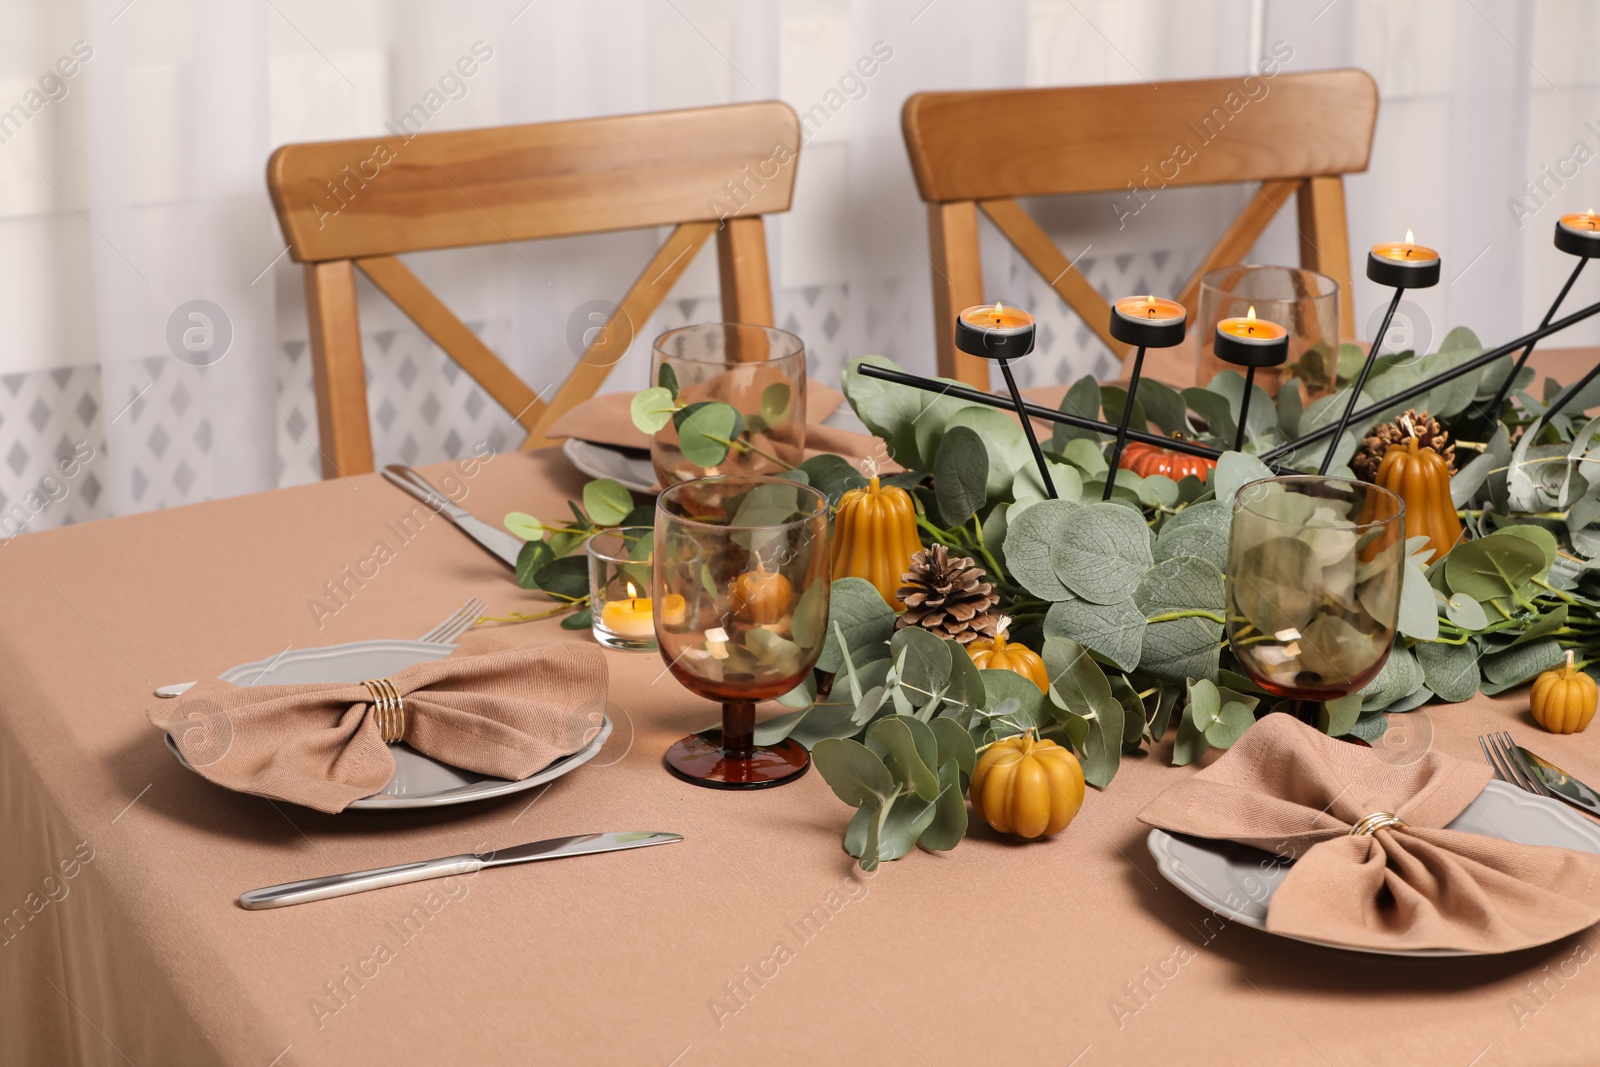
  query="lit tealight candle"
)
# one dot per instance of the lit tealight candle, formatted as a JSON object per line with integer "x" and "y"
{"x": 1148, "y": 321}
{"x": 1579, "y": 234}
{"x": 635, "y": 616}
{"x": 1150, "y": 309}
{"x": 995, "y": 331}
{"x": 1403, "y": 264}
{"x": 1251, "y": 329}
{"x": 1251, "y": 342}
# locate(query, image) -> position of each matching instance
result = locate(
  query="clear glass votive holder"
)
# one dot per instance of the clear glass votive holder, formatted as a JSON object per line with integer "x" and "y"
{"x": 622, "y": 614}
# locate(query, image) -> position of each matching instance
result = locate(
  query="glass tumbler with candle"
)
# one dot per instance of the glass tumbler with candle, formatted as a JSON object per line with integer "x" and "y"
{"x": 1302, "y": 301}
{"x": 758, "y": 371}
{"x": 620, "y": 605}
{"x": 1313, "y": 585}
{"x": 747, "y": 559}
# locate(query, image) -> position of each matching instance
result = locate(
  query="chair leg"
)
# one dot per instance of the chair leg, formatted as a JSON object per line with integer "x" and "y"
{"x": 340, "y": 376}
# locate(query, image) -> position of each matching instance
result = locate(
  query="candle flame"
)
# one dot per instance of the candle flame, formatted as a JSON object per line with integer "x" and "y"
{"x": 1410, "y": 237}
{"x": 1150, "y": 306}
{"x": 633, "y": 594}
{"x": 1251, "y": 314}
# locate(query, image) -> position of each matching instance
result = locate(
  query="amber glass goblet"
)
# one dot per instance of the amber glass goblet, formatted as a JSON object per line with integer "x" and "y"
{"x": 747, "y": 560}
{"x": 1314, "y": 571}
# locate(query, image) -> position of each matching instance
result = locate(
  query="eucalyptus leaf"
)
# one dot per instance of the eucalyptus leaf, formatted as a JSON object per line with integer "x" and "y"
{"x": 1419, "y": 612}
{"x": 854, "y": 773}
{"x": 960, "y": 475}
{"x": 533, "y": 557}
{"x": 1234, "y": 471}
{"x": 652, "y": 408}
{"x": 1202, "y": 539}
{"x": 702, "y": 430}
{"x": 581, "y": 619}
{"x": 774, "y": 403}
{"x": 1106, "y": 549}
{"x": 908, "y": 816}
{"x": 893, "y": 412}
{"x": 832, "y": 476}
{"x": 910, "y": 747}
{"x": 1465, "y": 612}
{"x": 1451, "y": 671}
{"x": 1029, "y": 540}
{"x": 1400, "y": 677}
{"x": 1079, "y": 686}
{"x": 955, "y": 745}
{"x": 1115, "y": 631}
{"x": 1546, "y": 624}
{"x": 1231, "y": 722}
{"x": 949, "y": 823}
{"x": 922, "y": 660}
{"x": 1492, "y": 566}
{"x": 1339, "y": 716}
{"x": 1082, "y": 399}
{"x": 1004, "y": 444}
{"x": 607, "y": 501}
{"x": 1188, "y": 646}
{"x": 1027, "y": 702}
{"x": 524, "y": 526}
{"x": 567, "y": 577}
{"x": 857, "y": 609}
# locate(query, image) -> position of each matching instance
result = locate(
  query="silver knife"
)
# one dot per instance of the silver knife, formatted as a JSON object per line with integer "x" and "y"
{"x": 497, "y": 543}
{"x": 1561, "y": 784}
{"x": 338, "y": 885}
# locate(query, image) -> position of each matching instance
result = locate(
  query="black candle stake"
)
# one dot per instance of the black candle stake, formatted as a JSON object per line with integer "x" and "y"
{"x": 1249, "y": 343}
{"x": 1146, "y": 323}
{"x": 1577, "y": 235}
{"x": 1402, "y": 266}
{"x": 1003, "y": 333}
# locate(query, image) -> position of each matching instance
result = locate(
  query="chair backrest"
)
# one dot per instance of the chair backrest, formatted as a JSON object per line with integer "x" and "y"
{"x": 1291, "y": 133}
{"x": 358, "y": 204}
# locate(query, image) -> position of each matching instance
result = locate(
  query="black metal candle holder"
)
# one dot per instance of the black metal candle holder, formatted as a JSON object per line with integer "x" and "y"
{"x": 1147, "y": 325}
{"x": 1401, "y": 266}
{"x": 1002, "y": 342}
{"x": 1269, "y": 350}
{"x": 1577, "y": 240}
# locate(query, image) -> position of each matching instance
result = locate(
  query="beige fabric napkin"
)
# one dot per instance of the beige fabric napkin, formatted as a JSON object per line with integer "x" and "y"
{"x": 1292, "y": 790}
{"x": 607, "y": 419}
{"x": 506, "y": 714}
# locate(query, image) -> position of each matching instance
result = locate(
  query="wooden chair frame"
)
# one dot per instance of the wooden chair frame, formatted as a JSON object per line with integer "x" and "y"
{"x": 1294, "y": 134}
{"x": 348, "y": 205}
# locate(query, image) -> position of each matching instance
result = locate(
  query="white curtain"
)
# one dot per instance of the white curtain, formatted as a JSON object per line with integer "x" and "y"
{"x": 136, "y": 235}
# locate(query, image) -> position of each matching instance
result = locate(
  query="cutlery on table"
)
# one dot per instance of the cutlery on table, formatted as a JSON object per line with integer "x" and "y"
{"x": 338, "y": 885}
{"x": 1536, "y": 774}
{"x": 453, "y": 626}
{"x": 496, "y": 542}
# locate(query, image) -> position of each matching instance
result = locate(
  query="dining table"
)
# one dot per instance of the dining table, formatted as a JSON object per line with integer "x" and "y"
{"x": 754, "y": 940}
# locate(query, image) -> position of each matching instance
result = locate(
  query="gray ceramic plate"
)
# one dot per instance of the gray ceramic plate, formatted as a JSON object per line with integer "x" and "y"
{"x": 1219, "y": 874}
{"x": 419, "y": 781}
{"x": 633, "y": 469}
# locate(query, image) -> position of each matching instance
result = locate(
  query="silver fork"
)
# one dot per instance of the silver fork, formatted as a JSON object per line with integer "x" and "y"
{"x": 1509, "y": 766}
{"x": 450, "y": 628}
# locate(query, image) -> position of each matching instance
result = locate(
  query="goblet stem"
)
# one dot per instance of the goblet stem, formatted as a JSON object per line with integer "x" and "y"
{"x": 1307, "y": 711}
{"x": 738, "y": 728}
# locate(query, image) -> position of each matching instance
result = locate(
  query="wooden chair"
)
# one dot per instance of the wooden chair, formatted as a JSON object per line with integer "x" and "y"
{"x": 973, "y": 150}
{"x": 358, "y": 204}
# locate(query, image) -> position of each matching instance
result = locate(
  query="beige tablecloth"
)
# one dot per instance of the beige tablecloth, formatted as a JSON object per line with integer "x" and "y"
{"x": 753, "y": 941}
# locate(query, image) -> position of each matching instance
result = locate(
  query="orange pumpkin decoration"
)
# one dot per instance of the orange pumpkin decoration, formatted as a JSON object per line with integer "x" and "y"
{"x": 1027, "y": 787}
{"x": 1421, "y": 477}
{"x": 1000, "y": 654}
{"x": 760, "y": 597}
{"x": 1563, "y": 700}
{"x": 1145, "y": 459}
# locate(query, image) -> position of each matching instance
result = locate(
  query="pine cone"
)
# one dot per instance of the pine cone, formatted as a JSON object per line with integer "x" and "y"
{"x": 948, "y": 597}
{"x": 1426, "y": 430}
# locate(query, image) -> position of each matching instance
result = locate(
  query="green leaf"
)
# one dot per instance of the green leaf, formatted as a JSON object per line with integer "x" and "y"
{"x": 1400, "y": 677}
{"x": 910, "y": 747}
{"x": 858, "y": 610}
{"x": 1002, "y": 686}
{"x": 1115, "y": 631}
{"x": 1234, "y": 471}
{"x": 566, "y": 577}
{"x": 1027, "y": 488}
{"x": 1165, "y": 406}
{"x": 667, "y": 378}
{"x": 893, "y": 412}
{"x": 607, "y": 502}
{"x": 907, "y": 818}
{"x": 1465, "y": 612}
{"x": 578, "y": 620}
{"x": 1229, "y": 725}
{"x": 922, "y": 661}
{"x": 1370, "y": 726}
{"x": 652, "y": 408}
{"x": 1086, "y": 456}
{"x": 1546, "y": 625}
{"x": 1204, "y": 704}
{"x": 1419, "y": 611}
{"x": 1492, "y": 566}
{"x": 1339, "y": 716}
{"x": 1538, "y": 535}
{"x": 1105, "y": 550}
{"x": 832, "y": 476}
{"x": 1006, "y": 448}
{"x": 1188, "y": 647}
{"x": 1201, "y": 539}
{"x": 1215, "y": 409}
{"x": 960, "y": 475}
{"x": 525, "y": 526}
{"x": 1451, "y": 671}
{"x": 949, "y": 824}
{"x": 810, "y": 619}
{"x": 774, "y": 403}
{"x": 1284, "y": 591}
{"x": 1029, "y": 540}
{"x": 1079, "y": 686}
{"x": 854, "y": 773}
{"x": 1082, "y": 399}
{"x": 1514, "y": 666}
{"x": 955, "y": 745}
{"x": 533, "y": 557}
{"x": 702, "y": 429}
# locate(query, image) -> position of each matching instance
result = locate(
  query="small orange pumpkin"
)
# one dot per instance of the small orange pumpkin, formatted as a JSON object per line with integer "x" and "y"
{"x": 760, "y": 596}
{"x": 1027, "y": 787}
{"x": 1145, "y": 459}
{"x": 1563, "y": 700}
{"x": 1000, "y": 654}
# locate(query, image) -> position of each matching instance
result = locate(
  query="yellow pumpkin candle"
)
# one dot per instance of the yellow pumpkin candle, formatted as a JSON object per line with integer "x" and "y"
{"x": 875, "y": 536}
{"x": 760, "y": 596}
{"x": 1027, "y": 787}
{"x": 989, "y": 654}
{"x": 1421, "y": 477}
{"x": 1563, "y": 700}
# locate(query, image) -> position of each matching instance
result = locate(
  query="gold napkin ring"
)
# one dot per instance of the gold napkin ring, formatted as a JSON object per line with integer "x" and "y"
{"x": 1370, "y": 824}
{"x": 388, "y": 709}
